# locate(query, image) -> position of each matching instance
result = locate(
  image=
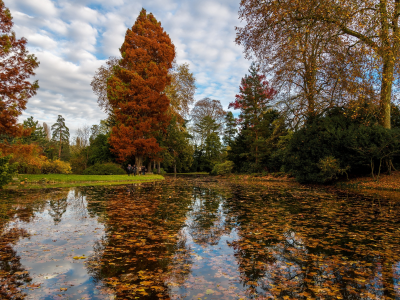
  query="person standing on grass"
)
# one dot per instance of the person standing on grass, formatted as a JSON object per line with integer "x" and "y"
{"x": 134, "y": 170}
{"x": 129, "y": 169}
{"x": 144, "y": 170}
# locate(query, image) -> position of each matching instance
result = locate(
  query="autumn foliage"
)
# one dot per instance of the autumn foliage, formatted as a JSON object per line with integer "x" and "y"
{"x": 327, "y": 50}
{"x": 16, "y": 67}
{"x": 135, "y": 90}
{"x": 255, "y": 94}
{"x": 254, "y": 103}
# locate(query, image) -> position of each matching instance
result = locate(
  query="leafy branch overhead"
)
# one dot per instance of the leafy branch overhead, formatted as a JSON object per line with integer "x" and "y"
{"x": 329, "y": 52}
{"x": 16, "y": 68}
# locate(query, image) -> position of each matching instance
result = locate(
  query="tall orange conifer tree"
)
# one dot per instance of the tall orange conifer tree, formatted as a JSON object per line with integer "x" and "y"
{"x": 16, "y": 66}
{"x": 135, "y": 91}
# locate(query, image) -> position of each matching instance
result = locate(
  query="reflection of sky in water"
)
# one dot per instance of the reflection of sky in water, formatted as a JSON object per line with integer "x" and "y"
{"x": 214, "y": 271}
{"x": 60, "y": 232}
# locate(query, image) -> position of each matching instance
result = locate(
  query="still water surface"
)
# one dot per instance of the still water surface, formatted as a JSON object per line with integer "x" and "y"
{"x": 199, "y": 239}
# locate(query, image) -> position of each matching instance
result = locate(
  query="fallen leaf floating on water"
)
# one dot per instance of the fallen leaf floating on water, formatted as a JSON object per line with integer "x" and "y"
{"x": 79, "y": 257}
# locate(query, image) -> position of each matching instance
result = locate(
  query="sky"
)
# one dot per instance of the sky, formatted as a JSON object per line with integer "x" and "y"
{"x": 73, "y": 38}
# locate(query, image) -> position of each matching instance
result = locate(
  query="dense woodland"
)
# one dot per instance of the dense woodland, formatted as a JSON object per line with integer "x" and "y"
{"x": 319, "y": 101}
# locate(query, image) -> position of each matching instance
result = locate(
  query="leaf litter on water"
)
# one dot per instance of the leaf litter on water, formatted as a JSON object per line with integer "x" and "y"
{"x": 217, "y": 240}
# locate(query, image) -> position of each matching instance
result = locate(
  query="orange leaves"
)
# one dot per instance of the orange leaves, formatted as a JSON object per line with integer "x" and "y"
{"x": 135, "y": 91}
{"x": 27, "y": 156}
{"x": 386, "y": 182}
{"x": 16, "y": 67}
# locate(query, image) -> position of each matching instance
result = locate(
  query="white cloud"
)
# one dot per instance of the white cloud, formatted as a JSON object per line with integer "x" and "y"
{"x": 41, "y": 40}
{"x": 72, "y": 38}
{"x": 45, "y": 8}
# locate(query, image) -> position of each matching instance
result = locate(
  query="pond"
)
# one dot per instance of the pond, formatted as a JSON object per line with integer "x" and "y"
{"x": 199, "y": 238}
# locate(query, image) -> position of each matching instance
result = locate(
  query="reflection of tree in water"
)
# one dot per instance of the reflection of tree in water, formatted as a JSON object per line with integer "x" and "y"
{"x": 321, "y": 247}
{"x": 96, "y": 199}
{"x": 12, "y": 273}
{"x": 15, "y": 207}
{"x": 206, "y": 220}
{"x": 22, "y": 206}
{"x": 143, "y": 251}
{"x": 57, "y": 208}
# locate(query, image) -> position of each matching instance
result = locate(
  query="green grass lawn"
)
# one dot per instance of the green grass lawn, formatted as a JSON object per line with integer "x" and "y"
{"x": 28, "y": 181}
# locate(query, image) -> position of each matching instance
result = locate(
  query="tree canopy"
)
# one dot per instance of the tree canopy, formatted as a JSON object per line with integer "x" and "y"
{"x": 16, "y": 67}
{"x": 60, "y": 133}
{"x": 341, "y": 47}
{"x": 135, "y": 90}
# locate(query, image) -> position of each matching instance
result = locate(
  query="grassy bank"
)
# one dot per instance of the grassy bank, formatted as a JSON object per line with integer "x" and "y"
{"x": 59, "y": 180}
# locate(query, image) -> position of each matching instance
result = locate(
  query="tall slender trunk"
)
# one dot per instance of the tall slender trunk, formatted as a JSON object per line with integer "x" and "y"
{"x": 175, "y": 167}
{"x": 310, "y": 85}
{"x": 59, "y": 151}
{"x": 386, "y": 92}
{"x": 256, "y": 148}
{"x": 87, "y": 156}
{"x": 159, "y": 167}
{"x": 149, "y": 167}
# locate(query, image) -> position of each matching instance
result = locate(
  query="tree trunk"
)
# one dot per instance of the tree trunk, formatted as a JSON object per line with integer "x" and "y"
{"x": 174, "y": 168}
{"x": 310, "y": 77}
{"x": 159, "y": 167}
{"x": 379, "y": 171}
{"x": 372, "y": 168}
{"x": 386, "y": 92}
{"x": 256, "y": 148}
{"x": 138, "y": 162}
{"x": 87, "y": 157}
{"x": 59, "y": 152}
{"x": 149, "y": 167}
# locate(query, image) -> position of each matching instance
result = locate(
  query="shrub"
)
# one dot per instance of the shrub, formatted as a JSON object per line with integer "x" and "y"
{"x": 77, "y": 164}
{"x": 7, "y": 170}
{"x": 56, "y": 167}
{"x": 104, "y": 169}
{"x": 330, "y": 169}
{"x": 28, "y": 159}
{"x": 223, "y": 169}
{"x": 162, "y": 171}
{"x": 334, "y": 143}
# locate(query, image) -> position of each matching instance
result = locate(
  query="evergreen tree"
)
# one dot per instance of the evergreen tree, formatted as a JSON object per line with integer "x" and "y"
{"x": 230, "y": 129}
{"x": 395, "y": 118}
{"x": 38, "y": 134}
{"x": 179, "y": 152}
{"x": 253, "y": 101}
{"x": 7, "y": 170}
{"x": 209, "y": 148}
{"x": 205, "y": 127}
{"x": 213, "y": 149}
{"x": 60, "y": 133}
